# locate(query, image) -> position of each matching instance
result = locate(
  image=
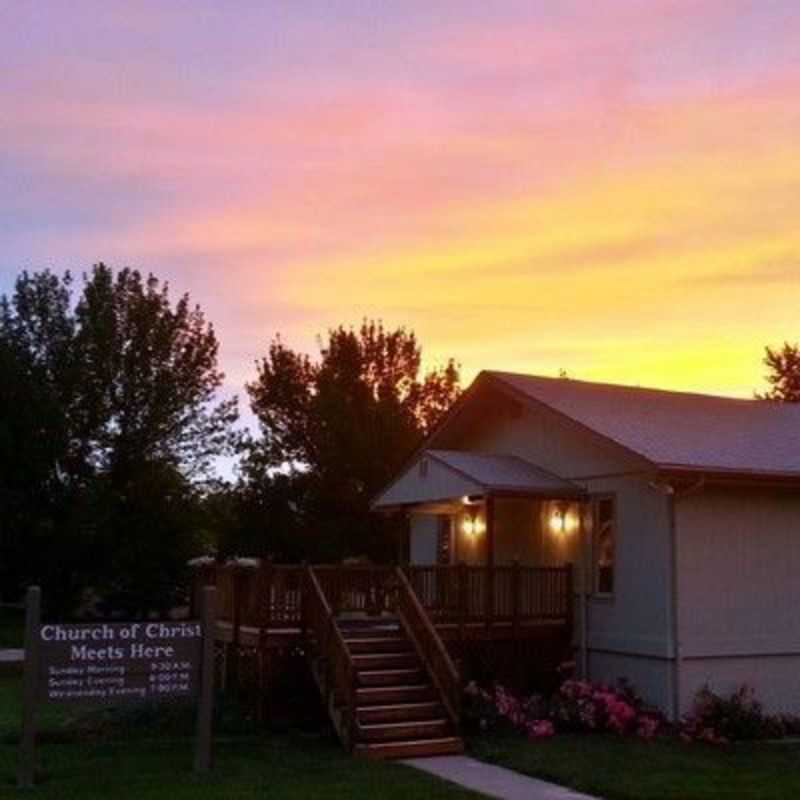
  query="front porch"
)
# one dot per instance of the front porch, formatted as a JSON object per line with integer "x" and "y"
{"x": 261, "y": 604}
{"x": 387, "y": 646}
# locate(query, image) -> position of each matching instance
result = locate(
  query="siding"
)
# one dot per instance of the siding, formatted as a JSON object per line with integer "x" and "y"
{"x": 739, "y": 591}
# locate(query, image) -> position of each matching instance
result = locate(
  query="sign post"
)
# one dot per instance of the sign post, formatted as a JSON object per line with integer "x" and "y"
{"x": 205, "y": 708}
{"x": 116, "y": 663}
{"x": 27, "y": 751}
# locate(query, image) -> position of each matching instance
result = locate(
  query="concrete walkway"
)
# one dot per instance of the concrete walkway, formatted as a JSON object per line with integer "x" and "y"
{"x": 493, "y": 781}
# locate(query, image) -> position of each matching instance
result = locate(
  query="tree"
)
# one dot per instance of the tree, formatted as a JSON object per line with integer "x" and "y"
{"x": 343, "y": 424}
{"x": 125, "y": 385}
{"x": 784, "y": 374}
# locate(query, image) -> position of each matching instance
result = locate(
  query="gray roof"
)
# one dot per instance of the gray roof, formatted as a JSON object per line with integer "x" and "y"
{"x": 502, "y": 472}
{"x": 676, "y": 429}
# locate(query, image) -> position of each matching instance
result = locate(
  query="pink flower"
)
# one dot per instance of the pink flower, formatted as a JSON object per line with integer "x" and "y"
{"x": 648, "y": 727}
{"x": 540, "y": 729}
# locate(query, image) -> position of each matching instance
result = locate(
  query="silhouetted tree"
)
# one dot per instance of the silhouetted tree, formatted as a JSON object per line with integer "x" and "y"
{"x": 341, "y": 425}
{"x": 124, "y": 385}
{"x": 784, "y": 373}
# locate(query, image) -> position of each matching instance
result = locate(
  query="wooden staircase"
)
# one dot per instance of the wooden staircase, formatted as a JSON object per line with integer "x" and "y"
{"x": 383, "y": 691}
{"x": 398, "y": 711}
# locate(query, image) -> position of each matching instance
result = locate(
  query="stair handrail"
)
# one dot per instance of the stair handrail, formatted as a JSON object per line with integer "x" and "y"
{"x": 340, "y": 666}
{"x": 430, "y": 647}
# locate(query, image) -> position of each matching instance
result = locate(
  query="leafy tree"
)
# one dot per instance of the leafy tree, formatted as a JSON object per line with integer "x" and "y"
{"x": 119, "y": 388}
{"x": 149, "y": 377}
{"x": 343, "y": 424}
{"x": 784, "y": 373}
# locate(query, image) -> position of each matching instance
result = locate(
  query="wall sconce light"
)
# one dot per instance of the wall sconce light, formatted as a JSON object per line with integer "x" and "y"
{"x": 558, "y": 521}
{"x": 472, "y": 525}
{"x": 561, "y": 521}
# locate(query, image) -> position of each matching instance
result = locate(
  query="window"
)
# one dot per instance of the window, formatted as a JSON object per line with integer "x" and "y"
{"x": 604, "y": 545}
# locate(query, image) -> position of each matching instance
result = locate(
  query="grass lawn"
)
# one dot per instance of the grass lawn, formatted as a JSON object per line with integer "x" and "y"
{"x": 629, "y": 769}
{"x": 290, "y": 765}
{"x": 12, "y": 627}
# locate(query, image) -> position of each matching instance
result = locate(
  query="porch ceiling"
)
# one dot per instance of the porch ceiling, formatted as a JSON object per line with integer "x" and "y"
{"x": 441, "y": 475}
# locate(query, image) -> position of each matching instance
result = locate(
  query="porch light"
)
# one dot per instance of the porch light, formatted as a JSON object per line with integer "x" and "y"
{"x": 562, "y": 521}
{"x": 558, "y": 521}
{"x": 472, "y": 525}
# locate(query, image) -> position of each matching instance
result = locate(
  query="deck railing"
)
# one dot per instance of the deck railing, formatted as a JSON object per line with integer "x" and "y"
{"x": 429, "y": 646}
{"x": 270, "y": 596}
{"x": 508, "y": 594}
{"x": 338, "y": 676}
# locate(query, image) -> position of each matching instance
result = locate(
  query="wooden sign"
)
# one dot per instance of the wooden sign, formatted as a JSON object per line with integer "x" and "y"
{"x": 115, "y": 663}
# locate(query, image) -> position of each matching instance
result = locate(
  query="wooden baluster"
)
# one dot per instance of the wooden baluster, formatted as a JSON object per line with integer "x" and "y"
{"x": 515, "y": 598}
{"x": 266, "y": 587}
{"x": 237, "y": 592}
{"x": 462, "y": 599}
{"x": 570, "y": 610}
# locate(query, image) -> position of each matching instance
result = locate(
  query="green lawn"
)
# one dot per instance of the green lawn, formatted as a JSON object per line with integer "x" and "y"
{"x": 287, "y": 765}
{"x": 629, "y": 769}
{"x": 12, "y": 627}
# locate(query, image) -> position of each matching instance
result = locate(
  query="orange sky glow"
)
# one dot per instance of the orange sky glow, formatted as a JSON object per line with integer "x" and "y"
{"x": 530, "y": 186}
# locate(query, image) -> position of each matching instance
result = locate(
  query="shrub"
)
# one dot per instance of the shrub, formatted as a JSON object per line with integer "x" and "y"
{"x": 577, "y": 706}
{"x": 718, "y": 720}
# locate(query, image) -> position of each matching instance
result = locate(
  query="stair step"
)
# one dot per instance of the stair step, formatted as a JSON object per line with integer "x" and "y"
{"x": 416, "y": 748}
{"x": 388, "y": 695}
{"x": 362, "y": 621}
{"x": 378, "y": 644}
{"x": 404, "y": 731}
{"x": 390, "y": 677}
{"x": 384, "y": 661}
{"x": 371, "y": 632}
{"x": 399, "y": 712}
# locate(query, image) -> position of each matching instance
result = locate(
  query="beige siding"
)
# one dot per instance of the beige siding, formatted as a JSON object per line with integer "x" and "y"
{"x": 739, "y": 591}
{"x": 650, "y": 677}
{"x": 637, "y": 619}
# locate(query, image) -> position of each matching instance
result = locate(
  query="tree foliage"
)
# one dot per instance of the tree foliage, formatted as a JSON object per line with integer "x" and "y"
{"x": 784, "y": 373}
{"x": 110, "y": 420}
{"x": 342, "y": 424}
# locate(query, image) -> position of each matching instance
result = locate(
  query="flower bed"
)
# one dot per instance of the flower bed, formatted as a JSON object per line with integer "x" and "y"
{"x": 577, "y": 707}
{"x": 585, "y": 707}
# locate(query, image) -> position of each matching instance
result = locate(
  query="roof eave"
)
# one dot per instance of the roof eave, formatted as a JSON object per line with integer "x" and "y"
{"x": 716, "y": 474}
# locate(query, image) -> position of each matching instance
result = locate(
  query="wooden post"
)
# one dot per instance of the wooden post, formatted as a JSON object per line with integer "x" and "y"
{"x": 237, "y": 591}
{"x": 489, "y": 599}
{"x": 570, "y": 598}
{"x": 26, "y": 774}
{"x": 205, "y": 710}
{"x": 266, "y": 587}
{"x": 462, "y": 599}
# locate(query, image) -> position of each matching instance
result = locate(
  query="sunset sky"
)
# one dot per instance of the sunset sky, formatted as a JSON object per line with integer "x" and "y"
{"x": 612, "y": 188}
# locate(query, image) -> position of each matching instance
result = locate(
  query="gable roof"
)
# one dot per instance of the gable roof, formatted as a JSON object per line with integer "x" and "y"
{"x": 503, "y": 472}
{"x": 674, "y": 430}
{"x": 452, "y": 474}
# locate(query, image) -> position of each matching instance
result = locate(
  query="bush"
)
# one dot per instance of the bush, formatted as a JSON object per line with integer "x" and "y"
{"x": 718, "y": 720}
{"x": 577, "y": 707}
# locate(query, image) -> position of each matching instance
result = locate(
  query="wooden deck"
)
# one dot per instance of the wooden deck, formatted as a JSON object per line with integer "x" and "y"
{"x": 265, "y": 604}
{"x": 387, "y": 646}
